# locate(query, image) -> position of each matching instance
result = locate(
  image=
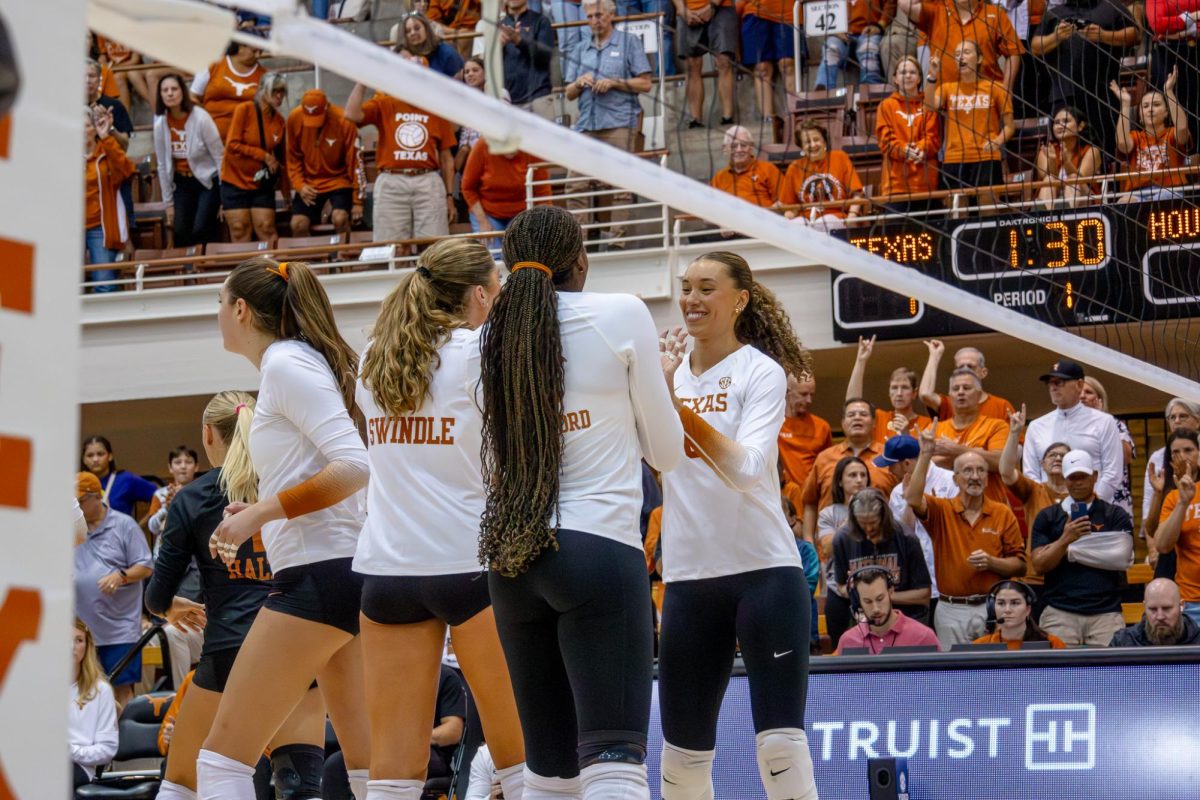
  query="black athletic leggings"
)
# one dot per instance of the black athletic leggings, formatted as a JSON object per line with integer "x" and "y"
{"x": 579, "y": 645}
{"x": 766, "y": 613}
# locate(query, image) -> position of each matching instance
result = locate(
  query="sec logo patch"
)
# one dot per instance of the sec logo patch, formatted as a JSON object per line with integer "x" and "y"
{"x": 725, "y": 383}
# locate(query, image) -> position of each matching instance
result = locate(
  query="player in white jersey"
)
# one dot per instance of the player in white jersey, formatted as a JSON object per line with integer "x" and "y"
{"x": 418, "y": 551}
{"x": 311, "y": 466}
{"x": 573, "y": 399}
{"x": 733, "y": 572}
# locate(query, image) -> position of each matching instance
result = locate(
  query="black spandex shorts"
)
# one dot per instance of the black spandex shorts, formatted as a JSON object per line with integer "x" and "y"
{"x": 975, "y": 173}
{"x": 765, "y": 612}
{"x": 212, "y": 671}
{"x": 328, "y": 592}
{"x": 339, "y": 200}
{"x": 405, "y": 599}
{"x": 579, "y": 641}
{"x": 235, "y": 199}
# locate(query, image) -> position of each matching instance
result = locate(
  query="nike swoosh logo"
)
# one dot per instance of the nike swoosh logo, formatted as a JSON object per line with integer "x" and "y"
{"x": 784, "y": 653}
{"x": 774, "y": 773}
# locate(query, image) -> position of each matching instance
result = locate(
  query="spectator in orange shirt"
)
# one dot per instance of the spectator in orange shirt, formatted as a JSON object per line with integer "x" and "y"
{"x": 990, "y": 405}
{"x": 1011, "y": 622}
{"x": 414, "y": 191}
{"x": 902, "y": 390}
{"x": 1157, "y": 150}
{"x": 820, "y": 175}
{"x": 708, "y": 28}
{"x": 323, "y": 164}
{"x": 1034, "y": 495}
{"x": 767, "y": 41}
{"x": 228, "y": 83}
{"x": 948, "y": 23}
{"x": 1179, "y": 522}
{"x": 188, "y": 150}
{"x": 746, "y": 177}
{"x": 910, "y": 139}
{"x": 976, "y": 542}
{"x": 868, "y": 20}
{"x": 115, "y": 54}
{"x": 458, "y": 16}
{"x": 803, "y": 435}
{"x": 979, "y": 120}
{"x": 858, "y": 423}
{"x": 967, "y": 430}
{"x": 105, "y": 168}
{"x": 494, "y": 186}
{"x": 254, "y": 162}
{"x": 1067, "y": 155}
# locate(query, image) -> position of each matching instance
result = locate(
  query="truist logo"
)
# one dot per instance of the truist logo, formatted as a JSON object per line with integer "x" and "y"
{"x": 1052, "y": 737}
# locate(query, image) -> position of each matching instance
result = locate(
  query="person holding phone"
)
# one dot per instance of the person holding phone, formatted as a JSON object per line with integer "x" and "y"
{"x": 1082, "y": 593}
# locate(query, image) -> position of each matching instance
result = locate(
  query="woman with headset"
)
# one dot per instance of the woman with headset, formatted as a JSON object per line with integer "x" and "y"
{"x": 1010, "y": 617}
{"x": 729, "y": 557}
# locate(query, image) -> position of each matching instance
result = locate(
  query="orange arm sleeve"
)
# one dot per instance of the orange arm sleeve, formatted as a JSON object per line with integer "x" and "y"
{"x": 333, "y": 484}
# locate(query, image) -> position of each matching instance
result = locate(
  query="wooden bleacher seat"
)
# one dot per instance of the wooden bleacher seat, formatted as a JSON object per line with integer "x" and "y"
{"x": 360, "y": 237}
{"x": 1139, "y": 573}
{"x": 1132, "y": 612}
{"x": 830, "y": 107}
{"x": 865, "y": 103}
{"x": 293, "y": 242}
{"x": 226, "y": 249}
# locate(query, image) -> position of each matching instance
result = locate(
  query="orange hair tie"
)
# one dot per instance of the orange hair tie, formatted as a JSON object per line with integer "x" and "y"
{"x": 281, "y": 272}
{"x": 532, "y": 265}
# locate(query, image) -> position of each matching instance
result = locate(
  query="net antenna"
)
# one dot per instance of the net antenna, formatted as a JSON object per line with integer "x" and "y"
{"x": 296, "y": 35}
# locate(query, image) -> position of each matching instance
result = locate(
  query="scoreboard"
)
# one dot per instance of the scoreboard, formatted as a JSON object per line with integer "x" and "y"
{"x": 1118, "y": 263}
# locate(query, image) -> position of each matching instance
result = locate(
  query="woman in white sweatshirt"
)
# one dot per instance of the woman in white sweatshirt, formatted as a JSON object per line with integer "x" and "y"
{"x": 92, "y": 719}
{"x": 188, "y": 150}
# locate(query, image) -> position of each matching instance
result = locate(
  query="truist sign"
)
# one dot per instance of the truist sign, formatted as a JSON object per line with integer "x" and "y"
{"x": 1026, "y": 733}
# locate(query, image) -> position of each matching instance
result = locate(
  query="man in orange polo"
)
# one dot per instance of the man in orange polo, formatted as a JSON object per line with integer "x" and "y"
{"x": 858, "y": 423}
{"x": 976, "y": 542}
{"x": 947, "y": 23}
{"x": 990, "y": 405}
{"x": 323, "y": 165}
{"x": 414, "y": 191}
{"x": 747, "y": 177}
{"x": 803, "y": 435}
{"x": 968, "y": 430}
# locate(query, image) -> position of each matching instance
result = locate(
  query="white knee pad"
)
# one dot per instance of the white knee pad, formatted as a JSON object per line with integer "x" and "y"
{"x": 173, "y": 791}
{"x": 395, "y": 790}
{"x": 512, "y": 781}
{"x": 221, "y": 778}
{"x": 686, "y": 774}
{"x": 785, "y": 764}
{"x": 615, "y": 780}
{"x": 539, "y": 787}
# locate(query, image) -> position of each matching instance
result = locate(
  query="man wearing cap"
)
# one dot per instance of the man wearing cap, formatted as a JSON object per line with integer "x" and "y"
{"x": 109, "y": 564}
{"x": 976, "y": 542}
{"x": 323, "y": 165}
{"x": 1081, "y": 427}
{"x": 1083, "y": 589}
{"x": 900, "y": 458}
{"x": 414, "y": 192}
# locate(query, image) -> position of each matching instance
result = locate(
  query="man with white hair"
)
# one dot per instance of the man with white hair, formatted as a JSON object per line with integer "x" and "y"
{"x": 708, "y": 27}
{"x": 605, "y": 73}
{"x": 747, "y": 177}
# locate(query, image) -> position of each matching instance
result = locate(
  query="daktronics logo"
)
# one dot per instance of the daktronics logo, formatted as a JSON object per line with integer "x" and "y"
{"x": 1056, "y": 736}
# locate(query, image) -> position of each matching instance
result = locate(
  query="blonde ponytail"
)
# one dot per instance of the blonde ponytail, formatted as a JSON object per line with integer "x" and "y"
{"x": 230, "y": 414}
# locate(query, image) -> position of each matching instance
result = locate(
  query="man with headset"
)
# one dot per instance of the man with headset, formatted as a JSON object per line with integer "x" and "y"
{"x": 880, "y": 625}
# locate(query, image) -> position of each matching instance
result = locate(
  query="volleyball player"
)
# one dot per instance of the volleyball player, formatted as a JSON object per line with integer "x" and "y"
{"x": 730, "y": 562}
{"x": 311, "y": 464}
{"x": 418, "y": 549}
{"x": 232, "y": 596}
{"x": 573, "y": 396}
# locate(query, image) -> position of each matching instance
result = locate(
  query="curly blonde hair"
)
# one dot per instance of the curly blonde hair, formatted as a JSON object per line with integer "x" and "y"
{"x": 416, "y": 320}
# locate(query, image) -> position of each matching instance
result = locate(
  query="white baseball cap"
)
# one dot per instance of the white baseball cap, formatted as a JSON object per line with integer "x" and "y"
{"x": 1077, "y": 461}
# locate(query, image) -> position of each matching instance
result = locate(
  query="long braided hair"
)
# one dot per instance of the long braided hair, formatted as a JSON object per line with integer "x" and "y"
{"x": 763, "y": 323}
{"x": 523, "y": 385}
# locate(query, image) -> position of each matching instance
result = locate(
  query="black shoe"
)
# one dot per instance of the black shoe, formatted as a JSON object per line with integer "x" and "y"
{"x": 693, "y": 124}
{"x": 726, "y": 120}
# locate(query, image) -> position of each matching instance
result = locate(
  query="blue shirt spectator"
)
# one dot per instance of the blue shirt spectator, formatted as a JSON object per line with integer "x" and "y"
{"x": 528, "y": 49}
{"x": 606, "y": 73}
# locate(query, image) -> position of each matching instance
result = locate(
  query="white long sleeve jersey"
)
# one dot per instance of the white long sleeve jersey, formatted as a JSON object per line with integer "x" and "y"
{"x": 616, "y": 410}
{"x": 426, "y": 497}
{"x": 1080, "y": 428}
{"x": 300, "y": 425}
{"x": 723, "y": 525}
